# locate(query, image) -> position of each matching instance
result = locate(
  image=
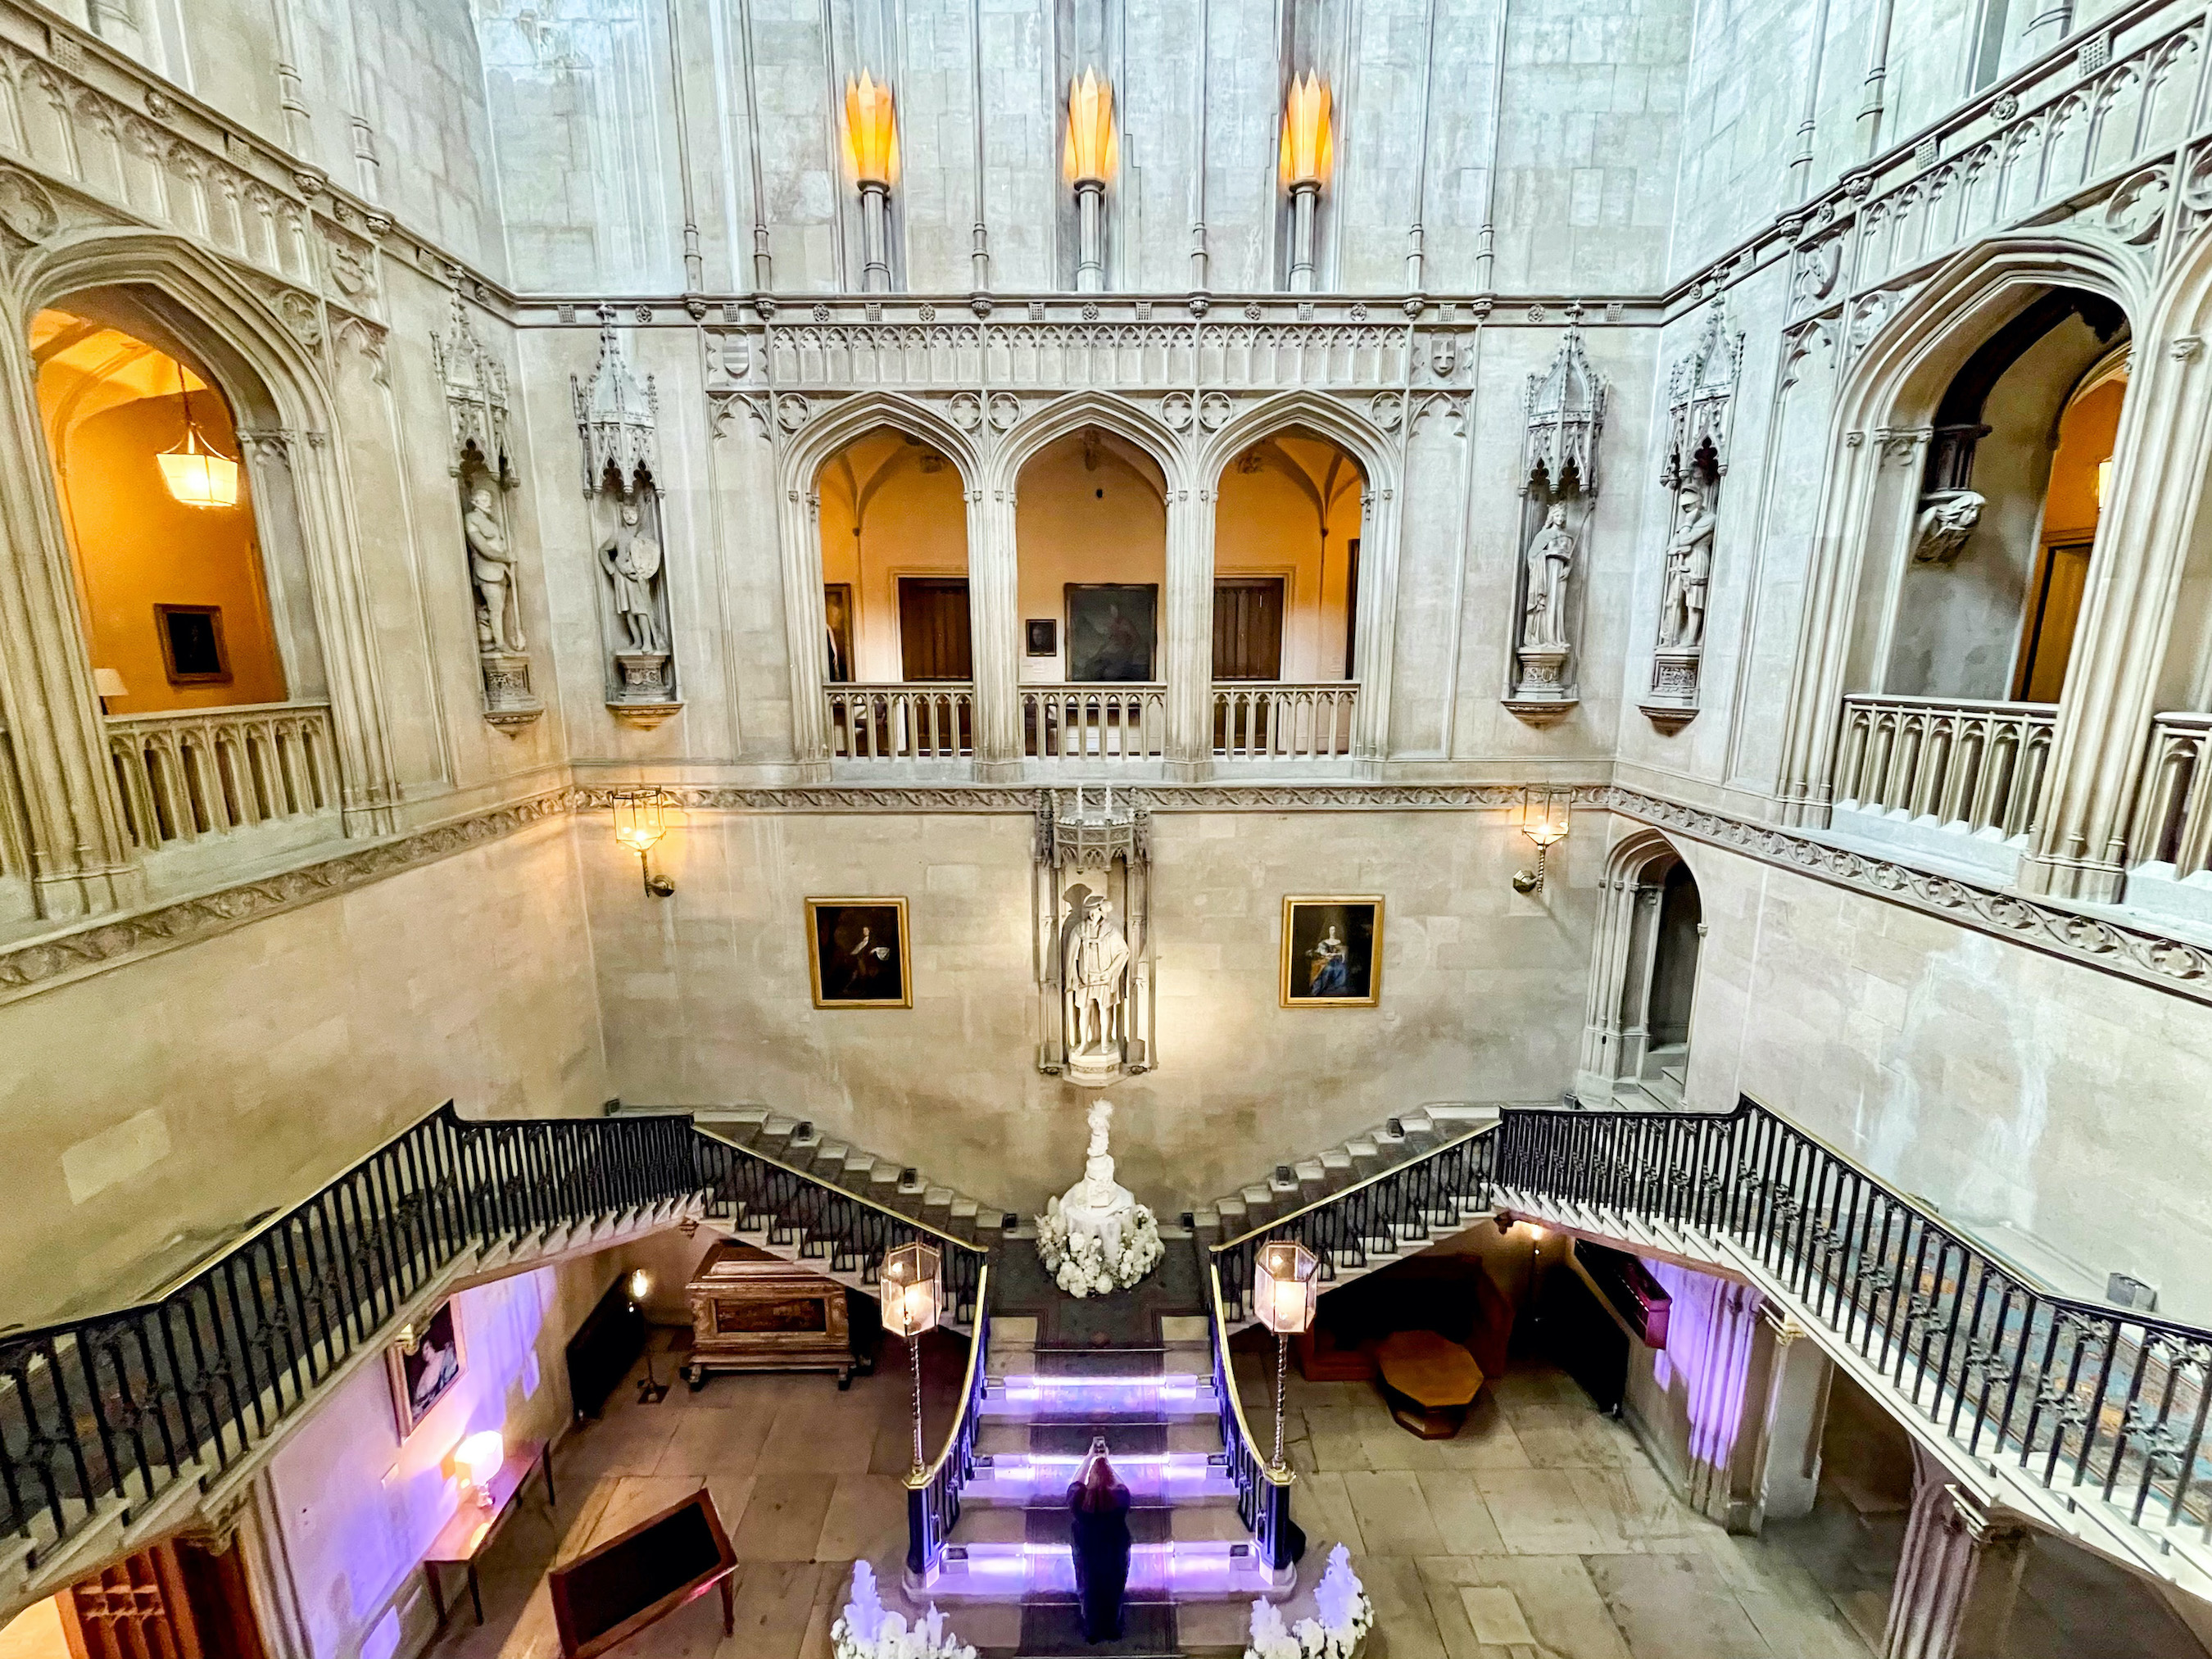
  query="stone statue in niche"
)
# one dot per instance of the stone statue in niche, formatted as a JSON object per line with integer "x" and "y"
{"x": 1946, "y": 521}
{"x": 1689, "y": 568}
{"x": 1551, "y": 560}
{"x": 631, "y": 559}
{"x": 1095, "y": 977}
{"x": 491, "y": 568}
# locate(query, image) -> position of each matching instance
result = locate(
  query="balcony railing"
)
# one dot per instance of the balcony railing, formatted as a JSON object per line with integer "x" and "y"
{"x": 928, "y": 720}
{"x": 1974, "y": 768}
{"x": 1114, "y": 722}
{"x": 1279, "y": 721}
{"x": 2173, "y": 817}
{"x": 195, "y": 774}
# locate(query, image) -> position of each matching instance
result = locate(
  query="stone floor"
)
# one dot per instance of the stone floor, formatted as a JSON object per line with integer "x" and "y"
{"x": 1542, "y": 1531}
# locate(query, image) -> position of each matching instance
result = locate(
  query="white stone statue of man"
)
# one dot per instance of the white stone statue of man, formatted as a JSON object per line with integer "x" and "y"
{"x": 1098, "y": 959}
{"x": 1689, "y": 568}
{"x": 1550, "y": 559}
{"x": 491, "y": 567}
{"x": 631, "y": 559}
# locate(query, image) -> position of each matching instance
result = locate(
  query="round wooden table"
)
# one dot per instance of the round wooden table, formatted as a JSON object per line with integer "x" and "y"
{"x": 1429, "y": 1382}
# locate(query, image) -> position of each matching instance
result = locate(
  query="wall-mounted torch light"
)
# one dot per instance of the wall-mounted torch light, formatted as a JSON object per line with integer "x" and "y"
{"x": 1307, "y": 151}
{"x": 871, "y": 153}
{"x": 1544, "y": 821}
{"x": 641, "y": 819}
{"x": 1092, "y": 155}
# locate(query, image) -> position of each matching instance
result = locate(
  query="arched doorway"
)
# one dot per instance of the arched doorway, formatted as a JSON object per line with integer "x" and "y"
{"x": 1286, "y": 545}
{"x": 1643, "y": 979}
{"x": 191, "y": 592}
{"x": 898, "y": 657}
{"x": 1090, "y": 537}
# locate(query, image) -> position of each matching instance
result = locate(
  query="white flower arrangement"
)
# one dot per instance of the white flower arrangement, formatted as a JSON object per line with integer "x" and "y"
{"x": 1347, "y": 1613}
{"x": 1082, "y": 1265}
{"x": 869, "y": 1631}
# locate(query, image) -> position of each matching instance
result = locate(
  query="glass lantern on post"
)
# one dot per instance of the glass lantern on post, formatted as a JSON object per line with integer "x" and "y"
{"x": 641, "y": 819}
{"x": 913, "y": 1288}
{"x": 1286, "y": 1290}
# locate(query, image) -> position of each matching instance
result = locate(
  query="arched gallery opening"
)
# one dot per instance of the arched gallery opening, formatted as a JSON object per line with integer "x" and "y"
{"x": 1644, "y": 986}
{"x": 193, "y": 595}
{"x": 1090, "y": 526}
{"x": 1286, "y": 534}
{"x": 898, "y": 659}
{"x": 1953, "y": 735}
{"x": 2009, "y": 501}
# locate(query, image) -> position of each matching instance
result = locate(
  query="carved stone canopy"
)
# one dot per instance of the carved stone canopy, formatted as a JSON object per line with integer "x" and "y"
{"x": 615, "y": 417}
{"x": 476, "y": 398}
{"x": 1566, "y": 409}
{"x": 1698, "y": 393}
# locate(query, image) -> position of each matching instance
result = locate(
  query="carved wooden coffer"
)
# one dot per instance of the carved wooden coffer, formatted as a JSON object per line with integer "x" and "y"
{"x": 751, "y": 1312}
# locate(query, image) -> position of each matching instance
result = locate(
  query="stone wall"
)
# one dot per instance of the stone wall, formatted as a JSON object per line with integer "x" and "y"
{"x": 706, "y": 996}
{"x": 153, "y": 1109}
{"x": 2031, "y": 1099}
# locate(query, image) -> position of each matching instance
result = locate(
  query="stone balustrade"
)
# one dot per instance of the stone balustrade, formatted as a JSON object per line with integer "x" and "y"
{"x": 1122, "y": 721}
{"x": 2173, "y": 816}
{"x": 1283, "y": 721}
{"x": 932, "y": 720}
{"x": 1966, "y": 768}
{"x": 195, "y": 774}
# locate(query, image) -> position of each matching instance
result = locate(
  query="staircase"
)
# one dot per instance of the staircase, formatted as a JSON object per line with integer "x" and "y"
{"x": 1159, "y": 1394}
{"x": 119, "y": 1429}
{"x": 1661, "y": 1084}
{"x": 2077, "y": 1417}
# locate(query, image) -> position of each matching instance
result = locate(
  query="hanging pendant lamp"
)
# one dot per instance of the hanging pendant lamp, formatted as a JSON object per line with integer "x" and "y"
{"x": 196, "y": 472}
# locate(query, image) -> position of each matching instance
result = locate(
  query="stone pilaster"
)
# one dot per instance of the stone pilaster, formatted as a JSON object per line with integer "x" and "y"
{"x": 1188, "y": 625}
{"x": 1958, "y": 1577}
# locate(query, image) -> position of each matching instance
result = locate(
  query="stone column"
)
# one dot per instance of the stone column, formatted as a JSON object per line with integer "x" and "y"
{"x": 80, "y": 855}
{"x": 1797, "y": 1375}
{"x": 994, "y": 629}
{"x": 1188, "y": 627}
{"x": 1959, "y": 1576}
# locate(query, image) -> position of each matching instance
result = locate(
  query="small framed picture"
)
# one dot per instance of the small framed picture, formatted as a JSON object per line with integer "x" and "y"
{"x": 1332, "y": 951}
{"x": 1044, "y": 633}
{"x": 192, "y": 651}
{"x": 420, "y": 1379}
{"x": 856, "y": 951}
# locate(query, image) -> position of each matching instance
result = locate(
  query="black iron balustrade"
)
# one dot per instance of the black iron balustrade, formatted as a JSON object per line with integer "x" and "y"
{"x": 1263, "y": 1492}
{"x": 2077, "y": 1394}
{"x": 117, "y": 1407}
{"x": 1443, "y": 1187}
{"x": 933, "y": 1495}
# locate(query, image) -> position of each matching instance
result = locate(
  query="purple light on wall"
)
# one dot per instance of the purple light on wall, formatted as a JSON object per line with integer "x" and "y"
{"x": 1709, "y": 1346}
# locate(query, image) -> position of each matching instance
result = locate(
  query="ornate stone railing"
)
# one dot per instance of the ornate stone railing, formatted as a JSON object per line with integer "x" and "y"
{"x": 2173, "y": 815}
{"x": 1104, "y": 722}
{"x": 198, "y": 773}
{"x": 933, "y": 719}
{"x": 1278, "y": 720}
{"x": 1968, "y": 767}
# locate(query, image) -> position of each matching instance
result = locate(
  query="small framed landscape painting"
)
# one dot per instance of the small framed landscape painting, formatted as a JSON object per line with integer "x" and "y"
{"x": 856, "y": 951}
{"x": 1332, "y": 951}
{"x": 421, "y": 1378}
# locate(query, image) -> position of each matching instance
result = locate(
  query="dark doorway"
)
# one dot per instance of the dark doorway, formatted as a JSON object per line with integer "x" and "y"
{"x": 1351, "y": 608}
{"x": 1248, "y": 628}
{"x": 1674, "y": 963}
{"x": 933, "y": 629}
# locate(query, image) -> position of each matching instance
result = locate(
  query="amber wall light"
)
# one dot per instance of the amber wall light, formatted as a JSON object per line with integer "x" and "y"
{"x": 871, "y": 153}
{"x": 1544, "y": 821}
{"x": 641, "y": 819}
{"x": 1307, "y": 150}
{"x": 1090, "y": 158}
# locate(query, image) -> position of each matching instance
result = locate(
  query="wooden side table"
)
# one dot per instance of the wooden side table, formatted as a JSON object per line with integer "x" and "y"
{"x": 1430, "y": 1382}
{"x": 469, "y": 1532}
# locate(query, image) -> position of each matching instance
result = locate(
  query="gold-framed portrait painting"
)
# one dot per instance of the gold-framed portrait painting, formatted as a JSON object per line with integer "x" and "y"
{"x": 1332, "y": 951}
{"x": 856, "y": 953}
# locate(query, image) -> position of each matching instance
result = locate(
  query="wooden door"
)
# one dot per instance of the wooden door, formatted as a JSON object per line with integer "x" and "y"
{"x": 1248, "y": 628}
{"x": 933, "y": 629}
{"x": 2053, "y": 611}
{"x": 173, "y": 1601}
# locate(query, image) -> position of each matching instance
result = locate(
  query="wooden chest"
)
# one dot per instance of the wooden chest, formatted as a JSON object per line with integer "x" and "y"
{"x": 753, "y": 1312}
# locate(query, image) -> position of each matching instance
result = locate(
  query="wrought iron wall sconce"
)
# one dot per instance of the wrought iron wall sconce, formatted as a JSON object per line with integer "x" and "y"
{"x": 1544, "y": 821}
{"x": 641, "y": 817}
